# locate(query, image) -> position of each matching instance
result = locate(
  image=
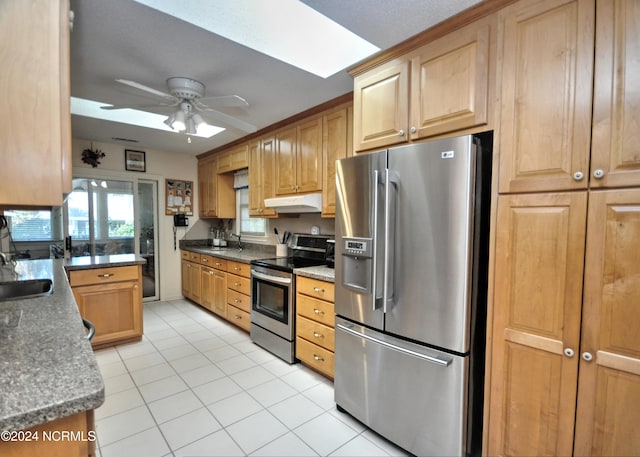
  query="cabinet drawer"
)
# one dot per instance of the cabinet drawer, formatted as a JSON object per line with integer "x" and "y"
{"x": 184, "y": 255}
{"x": 316, "y": 310}
{"x": 239, "y": 283}
{"x": 238, "y": 268}
{"x": 316, "y": 357}
{"x": 239, "y": 300}
{"x": 315, "y": 332}
{"x": 218, "y": 263}
{"x": 239, "y": 317}
{"x": 314, "y": 288}
{"x": 207, "y": 260}
{"x": 103, "y": 275}
{"x": 194, "y": 257}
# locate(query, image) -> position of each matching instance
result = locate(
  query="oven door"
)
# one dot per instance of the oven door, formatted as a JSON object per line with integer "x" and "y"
{"x": 272, "y": 301}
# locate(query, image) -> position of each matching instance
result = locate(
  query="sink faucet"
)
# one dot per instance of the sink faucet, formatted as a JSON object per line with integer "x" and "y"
{"x": 239, "y": 241}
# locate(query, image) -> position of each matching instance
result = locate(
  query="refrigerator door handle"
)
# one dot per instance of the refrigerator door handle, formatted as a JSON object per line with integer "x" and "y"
{"x": 441, "y": 361}
{"x": 391, "y": 180}
{"x": 374, "y": 249}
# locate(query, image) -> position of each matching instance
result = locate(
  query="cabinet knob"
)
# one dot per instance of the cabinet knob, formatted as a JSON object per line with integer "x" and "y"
{"x": 569, "y": 352}
{"x": 598, "y": 174}
{"x": 414, "y": 130}
{"x": 318, "y": 358}
{"x": 578, "y": 176}
{"x": 318, "y": 311}
{"x": 236, "y": 300}
{"x": 238, "y": 316}
{"x": 135, "y": 287}
{"x": 317, "y": 335}
{"x": 587, "y": 356}
{"x": 318, "y": 290}
{"x": 401, "y": 133}
{"x": 237, "y": 284}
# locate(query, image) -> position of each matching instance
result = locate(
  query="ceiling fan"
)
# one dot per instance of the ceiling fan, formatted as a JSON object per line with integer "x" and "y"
{"x": 187, "y": 95}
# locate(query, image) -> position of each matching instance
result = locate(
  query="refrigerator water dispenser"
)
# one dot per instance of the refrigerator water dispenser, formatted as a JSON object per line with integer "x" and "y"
{"x": 357, "y": 264}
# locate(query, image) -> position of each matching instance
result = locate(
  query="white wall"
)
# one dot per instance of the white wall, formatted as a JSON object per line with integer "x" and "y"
{"x": 160, "y": 165}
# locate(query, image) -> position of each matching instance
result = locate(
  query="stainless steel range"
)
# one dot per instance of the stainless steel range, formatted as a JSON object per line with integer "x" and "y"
{"x": 273, "y": 294}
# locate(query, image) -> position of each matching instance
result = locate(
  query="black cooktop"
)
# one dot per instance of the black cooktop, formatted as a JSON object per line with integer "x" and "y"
{"x": 288, "y": 263}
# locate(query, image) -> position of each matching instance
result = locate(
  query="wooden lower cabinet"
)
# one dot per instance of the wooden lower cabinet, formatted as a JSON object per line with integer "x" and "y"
{"x": 565, "y": 359}
{"x": 239, "y": 294}
{"x": 315, "y": 324}
{"x": 111, "y": 298}
{"x": 81, "y": 425}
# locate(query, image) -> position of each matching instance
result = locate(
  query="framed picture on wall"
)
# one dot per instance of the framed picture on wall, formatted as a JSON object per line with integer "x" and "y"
{"x": 134, "y": 160}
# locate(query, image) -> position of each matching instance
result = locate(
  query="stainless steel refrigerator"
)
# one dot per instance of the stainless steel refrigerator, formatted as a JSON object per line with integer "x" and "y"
{"x": 410, "y": 275}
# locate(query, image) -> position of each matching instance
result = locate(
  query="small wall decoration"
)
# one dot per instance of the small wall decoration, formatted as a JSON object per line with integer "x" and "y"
{"x": 92, "y": 156}
{"x": 134, "y": 160}
{"x": 179, "y": 197}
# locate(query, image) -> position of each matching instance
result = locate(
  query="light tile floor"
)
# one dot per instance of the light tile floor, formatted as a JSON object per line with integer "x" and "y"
{"x": 197, "y": 386}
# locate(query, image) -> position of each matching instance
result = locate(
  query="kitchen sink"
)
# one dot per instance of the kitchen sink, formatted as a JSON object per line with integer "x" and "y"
{"x": 28, "y": 288}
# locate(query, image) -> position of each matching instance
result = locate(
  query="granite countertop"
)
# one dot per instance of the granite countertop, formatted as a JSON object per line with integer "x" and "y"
{"x": 101, "y": 261}
{"x": 47, "y": 366}
{"x": 244, "y": 256}
{"x": 321, "y": 272}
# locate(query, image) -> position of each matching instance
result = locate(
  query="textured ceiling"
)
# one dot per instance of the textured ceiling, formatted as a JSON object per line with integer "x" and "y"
{"x": 122, "y": 39}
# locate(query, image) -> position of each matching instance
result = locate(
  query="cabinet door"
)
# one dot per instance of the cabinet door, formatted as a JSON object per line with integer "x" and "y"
{"x": 609, "y": 388}
{"x": 547, "y": 71}
{"x": 220, "y": 293}
{"x": 203, "y": 187}
{"x": 35, "y": 86}
{"x": 537, "y": 305}
{"x": 186, "y": 278}
{"x": 212, "y": 187}
{"x": 615, "y": 155}
{"x": 309, "y": 156}
{"x": 285, "y": 162}
{"x": 115, "y": 309}
{"x": 195, "y": 283}
{"x": 206, "y": 287}
{"x": 261, "y": 172}
{"x": 450, "y": 83}
{"x": 336, "y": 145}
{"x": 381, "y": 106}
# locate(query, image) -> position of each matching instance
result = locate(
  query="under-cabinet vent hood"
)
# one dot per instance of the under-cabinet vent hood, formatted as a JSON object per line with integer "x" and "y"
{"x": 307, "y": 203}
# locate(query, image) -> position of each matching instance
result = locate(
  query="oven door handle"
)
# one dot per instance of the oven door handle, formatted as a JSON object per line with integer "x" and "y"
{"x": 275, "y": 279}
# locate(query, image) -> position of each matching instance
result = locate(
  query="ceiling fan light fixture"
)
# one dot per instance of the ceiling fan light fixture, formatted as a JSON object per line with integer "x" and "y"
{"x": 199, "y": 121}
{"x": 170, "y": 120}
{"x": 179, "y": 122}
{"x": 191, "y": 127}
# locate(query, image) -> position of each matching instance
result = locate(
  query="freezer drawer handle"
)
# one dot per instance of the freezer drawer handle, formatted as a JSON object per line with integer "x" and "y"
{"x": 436, "y": 360}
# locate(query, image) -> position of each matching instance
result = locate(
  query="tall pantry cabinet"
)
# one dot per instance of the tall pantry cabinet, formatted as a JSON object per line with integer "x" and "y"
{"x": 565, "y": 351}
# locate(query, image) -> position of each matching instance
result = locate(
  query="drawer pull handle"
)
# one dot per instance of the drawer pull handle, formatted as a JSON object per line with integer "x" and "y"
{"x": 204, "y": 260}
{"x": 318, "y": 358}
{"x": 218, "y": 264}
{"x": 237, "y": 284}
{"x": 238, "y": 316}
{"x": 318, "y": 335}
{"x": 237, "y": 268}
{"x": 106, "y": 275}
{"x": 319, "y": 290}
{"x": 318, "y": 311}
{"x": 237, "y": 300}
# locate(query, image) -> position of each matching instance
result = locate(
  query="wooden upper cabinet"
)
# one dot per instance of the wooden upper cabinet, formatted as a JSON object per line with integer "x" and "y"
{"x": 234, "y": 159}
{"x": 609, "y": 389}
{"x": 261, "y": 176}
{"x": 450, "y": 82}
{"x": 299, "y": 158}
{"x": 216, "y": 194}
{"x": 381, "y": 106}
{"x": 536, "y": 328}
{"x": 285, "y": 161}
{"x": 337, "y": 143}
{"x": 615, "y": 154}
{"x": 546, "y": 49}
{"x": 35, "y": 132}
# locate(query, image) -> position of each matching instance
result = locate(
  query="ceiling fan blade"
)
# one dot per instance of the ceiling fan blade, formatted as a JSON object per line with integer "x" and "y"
{"x": 142, "y": 87}
{"x": 229, "y": 120}
{"x": 225, "y": 100}
{"x": 155, "y": 105}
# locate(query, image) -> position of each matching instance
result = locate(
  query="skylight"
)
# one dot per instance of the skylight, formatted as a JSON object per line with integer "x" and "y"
{"x": 287, "y": 30}
{"x": 90, "y": 108}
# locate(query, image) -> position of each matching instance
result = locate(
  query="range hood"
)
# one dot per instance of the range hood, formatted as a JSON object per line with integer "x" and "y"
{"x": 306, "y": 203}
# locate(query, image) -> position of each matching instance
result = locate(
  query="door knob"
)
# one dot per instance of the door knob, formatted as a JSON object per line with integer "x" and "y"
{"x": 578, "y": 176}
{"x": 569, "y": 352}
{"x": 587, "y": 356}
{"x": 598, "y": 174}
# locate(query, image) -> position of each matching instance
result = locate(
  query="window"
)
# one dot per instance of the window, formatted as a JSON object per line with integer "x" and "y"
{"x": 35, "y": 225}
{"x": 249, "y": 226}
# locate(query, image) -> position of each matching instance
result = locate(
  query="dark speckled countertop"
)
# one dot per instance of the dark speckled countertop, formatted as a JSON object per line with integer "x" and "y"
{"x": 47, "y": 367}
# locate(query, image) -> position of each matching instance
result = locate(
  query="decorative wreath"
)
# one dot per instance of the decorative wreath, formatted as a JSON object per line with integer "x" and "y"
{"x": 92, "y": 156}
